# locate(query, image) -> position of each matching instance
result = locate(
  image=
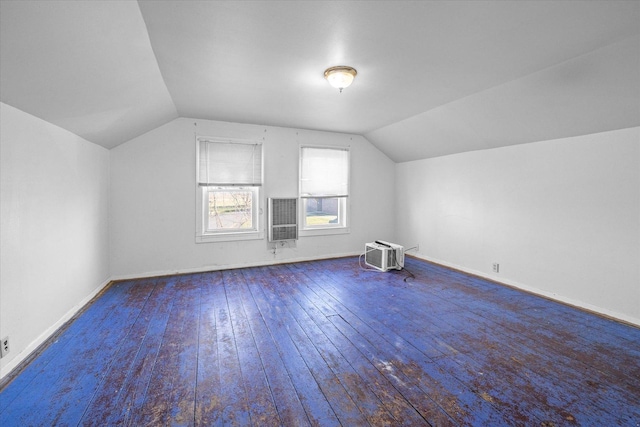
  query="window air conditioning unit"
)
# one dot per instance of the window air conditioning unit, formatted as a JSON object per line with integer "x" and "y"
{"x": 384, "y": 256}
{"x": 283, "y": 219}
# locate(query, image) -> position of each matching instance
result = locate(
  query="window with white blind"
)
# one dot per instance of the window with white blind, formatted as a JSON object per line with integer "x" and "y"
{"x": 324, "y": 190}
{"x": 229, "y": 178}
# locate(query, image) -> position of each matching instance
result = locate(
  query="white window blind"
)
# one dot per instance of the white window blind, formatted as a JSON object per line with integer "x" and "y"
{"x": 324, "y": 172}
{"x": 229, "y": 163}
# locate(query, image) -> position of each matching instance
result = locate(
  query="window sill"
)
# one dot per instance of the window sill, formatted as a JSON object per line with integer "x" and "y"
{"x": 324, "y": 231}
{"x": 229, "y": 237}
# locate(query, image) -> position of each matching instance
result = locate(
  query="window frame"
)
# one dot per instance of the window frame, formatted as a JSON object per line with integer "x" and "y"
{"x": 344, "y": 208}
{"x": 203, "y": 233}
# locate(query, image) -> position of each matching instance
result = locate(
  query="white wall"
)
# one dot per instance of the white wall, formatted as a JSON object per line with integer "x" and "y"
{"x": 54, "y": 253}
{"x": 153, "y": 198}
{"x": 562, "y": 217}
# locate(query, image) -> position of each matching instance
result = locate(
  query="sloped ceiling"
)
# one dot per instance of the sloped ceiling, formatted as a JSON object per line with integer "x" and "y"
{"x": 434, "y": 77}
{"x": 86, "y": 66}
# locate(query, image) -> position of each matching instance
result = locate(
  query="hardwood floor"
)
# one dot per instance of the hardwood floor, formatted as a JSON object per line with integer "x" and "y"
{"x": 326, "y": 343}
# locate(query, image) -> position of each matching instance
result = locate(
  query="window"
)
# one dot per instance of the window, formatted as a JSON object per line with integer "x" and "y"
{"x": 229, "y": 209}
{"x": 229, "y": 178}
{"x": 324, "y": 190}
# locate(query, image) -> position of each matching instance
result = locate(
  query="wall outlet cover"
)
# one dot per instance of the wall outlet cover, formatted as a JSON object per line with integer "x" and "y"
{"x": 4, "y": 348}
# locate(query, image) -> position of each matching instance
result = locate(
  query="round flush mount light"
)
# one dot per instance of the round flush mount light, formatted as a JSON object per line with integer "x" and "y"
{"x": 340, "y": 76}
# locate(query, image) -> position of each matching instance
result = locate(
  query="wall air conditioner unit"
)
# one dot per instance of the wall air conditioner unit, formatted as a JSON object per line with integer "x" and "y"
{"x": 283, "y": 219}
{"x": 384, "y": 256}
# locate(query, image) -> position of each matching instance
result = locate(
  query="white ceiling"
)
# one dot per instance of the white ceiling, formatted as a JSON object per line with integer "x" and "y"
{"x": 434, "y": 77}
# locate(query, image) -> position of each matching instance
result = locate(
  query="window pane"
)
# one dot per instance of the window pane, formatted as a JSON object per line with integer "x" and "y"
{"x": 230, "y": 210}
{"x": 322, "y": 211}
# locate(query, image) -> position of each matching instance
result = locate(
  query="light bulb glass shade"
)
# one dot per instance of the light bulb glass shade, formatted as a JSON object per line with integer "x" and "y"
{"x": 340, "y": 77}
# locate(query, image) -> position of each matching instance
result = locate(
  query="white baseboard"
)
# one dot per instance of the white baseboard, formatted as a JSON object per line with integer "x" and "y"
{"x": 550, "y": 295}
{"x": 159, "y": 273}
{"x": 13, "y": 363}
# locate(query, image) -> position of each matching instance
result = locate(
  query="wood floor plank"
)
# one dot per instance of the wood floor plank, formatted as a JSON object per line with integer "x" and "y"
{"x": 90, "y": 355}
{"x": 344, "y": 408}
{"x": 561, "y": 405}
{"x": 574, "y": 330}
{"x": 109, "y": 396}
{"x": 557, "y": 366}
{"x": 329, "y": 343}
{"x": 514, "y": 404}
{"x": 262, "y": 407}
{"x": 318, "y": 409}
{"x": 233, "y": 397}
{"x": 170, "y": 395}
{"x": 181, "y": 398}
{"x": 98, "y": 353}
{"x": 545, "y": 311}
{"x": 336, "y": 349}
{"x": 328, "y": 360}
{"x": 132, "y": 391}
{"x": 290, "y": 409}
{"x": 375, "y": 339}
{"x": 208, "y": 406}
{"x": 43, "y": 372}
{"x": 483, "y": 336}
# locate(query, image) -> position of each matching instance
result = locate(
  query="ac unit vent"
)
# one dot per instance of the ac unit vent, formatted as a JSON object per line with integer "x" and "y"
{"x": 284, "y": 233}
{"x": 283, "y": 219}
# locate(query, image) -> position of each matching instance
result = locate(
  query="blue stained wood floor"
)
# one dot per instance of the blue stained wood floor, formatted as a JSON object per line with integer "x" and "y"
{"x": 327, "y": 343}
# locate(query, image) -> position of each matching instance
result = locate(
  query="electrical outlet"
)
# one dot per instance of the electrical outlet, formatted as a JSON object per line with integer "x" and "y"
{"x": 496, "y": 267}
{"x": 4, "y": 349}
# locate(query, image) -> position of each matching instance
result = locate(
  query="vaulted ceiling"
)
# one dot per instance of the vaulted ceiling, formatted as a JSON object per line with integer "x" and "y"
{"x": 434, "y": 77}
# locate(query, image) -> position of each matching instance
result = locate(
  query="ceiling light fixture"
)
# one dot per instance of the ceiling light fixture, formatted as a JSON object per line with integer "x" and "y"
{"x": 340, "y": 76}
